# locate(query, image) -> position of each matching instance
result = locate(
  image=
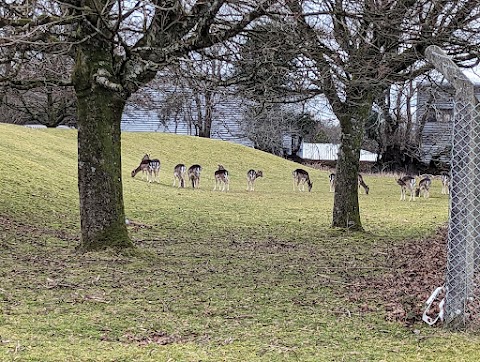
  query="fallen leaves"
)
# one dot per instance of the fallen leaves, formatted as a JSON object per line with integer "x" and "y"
{"x": 413, "y": 270}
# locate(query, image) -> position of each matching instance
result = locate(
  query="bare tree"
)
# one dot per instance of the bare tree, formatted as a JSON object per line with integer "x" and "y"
{"x": 204, "y": 94}
{"x": 117, "y": 46}
{"x": 393, "y": 129}
{"x": 360, "y": 48}
{"x": 46, "y": 104}
{"x": 270, "y": 76}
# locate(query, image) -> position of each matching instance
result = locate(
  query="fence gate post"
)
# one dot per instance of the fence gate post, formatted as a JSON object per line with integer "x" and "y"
{"x": 463, "y": 226}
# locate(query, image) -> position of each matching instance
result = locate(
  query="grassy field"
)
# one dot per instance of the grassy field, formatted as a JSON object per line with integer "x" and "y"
{"x": 238, "y": 276}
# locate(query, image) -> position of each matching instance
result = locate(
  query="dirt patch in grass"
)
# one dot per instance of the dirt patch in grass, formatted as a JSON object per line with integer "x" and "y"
{"x": 412, "y": 271}
{"x": 155, "y": 337}
{"x": 20, "y": 229}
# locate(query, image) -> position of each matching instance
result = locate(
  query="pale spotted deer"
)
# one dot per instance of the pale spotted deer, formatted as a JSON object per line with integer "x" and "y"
{"x": 424, "y": 187}
{"x": 331, "y": 179}
{"x": 252, "y": 175}
{"x": 179, "y": 173}
{"x": 407, "y": 183}
{"x": 153, "y": 170}
{"x": 445, "y": 184}
{"x": 221, "y": 179}
{"x": 300, "y": 178}
{"x": 194, "y": 175}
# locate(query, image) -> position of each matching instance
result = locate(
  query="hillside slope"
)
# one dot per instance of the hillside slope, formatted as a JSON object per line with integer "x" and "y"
{"x": 38, "y": 181}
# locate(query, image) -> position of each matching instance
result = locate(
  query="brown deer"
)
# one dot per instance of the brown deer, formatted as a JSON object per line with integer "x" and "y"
{"x": 424, "y": 187}
{"x": 151, "y": 167}
{"x": 221, "y": 179}
{"x": 301, "y": 177}
{"x": 145, "y": 157}
{"x": 179, "y": 173}
{"x": 143, "y": 166}
{"x": 194, "y": 175}
{"x": 252, "y": 175}
{"x": 361, "y": 183}
{"x": 407, "y": 183}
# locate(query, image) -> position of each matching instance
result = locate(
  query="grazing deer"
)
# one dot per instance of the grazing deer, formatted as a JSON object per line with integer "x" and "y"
{"x": 151, "y": 167}
{"x": 153, "y": 170}
{"x": 407, "y": 183}
{"x": 252, "y": 175}
{"x": 142, "y": 167}
{"x": 445, "y": 184}
{"x": 145, "y": 157}
{"x": 331, "y": 179}
{"x": 361, "y": 183}
{"x": 194, "y": 175}
{"x": 221, "y": 178}
{"x": 301, "y": 176}
{"x": 179, "y": 174}
{"x": 424, "y": 187}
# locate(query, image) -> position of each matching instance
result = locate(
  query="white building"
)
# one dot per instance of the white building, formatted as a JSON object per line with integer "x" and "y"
{"x": 329, "y": 152}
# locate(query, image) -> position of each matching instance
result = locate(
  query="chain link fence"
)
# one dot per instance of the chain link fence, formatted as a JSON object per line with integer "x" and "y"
{"x": 462, "y": 281}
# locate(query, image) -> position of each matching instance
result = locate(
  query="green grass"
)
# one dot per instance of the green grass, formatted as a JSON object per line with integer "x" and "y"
{"x": 238, "y": 276}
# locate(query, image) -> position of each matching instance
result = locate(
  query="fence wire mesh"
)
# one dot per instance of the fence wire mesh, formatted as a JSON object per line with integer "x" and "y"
{"x": 462, "y": 281}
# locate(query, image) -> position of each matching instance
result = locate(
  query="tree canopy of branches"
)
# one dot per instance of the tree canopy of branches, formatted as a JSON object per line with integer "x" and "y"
{"x": 117, "y": 46}
{"x": 46, "y": 104}
{"x": 190, "y": 93}
{"x": 358, "y": 48}
{"x": 266, "y": 63}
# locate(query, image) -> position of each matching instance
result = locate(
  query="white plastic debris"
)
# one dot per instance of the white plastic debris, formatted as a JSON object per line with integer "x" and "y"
{"x": 428, "y": 318}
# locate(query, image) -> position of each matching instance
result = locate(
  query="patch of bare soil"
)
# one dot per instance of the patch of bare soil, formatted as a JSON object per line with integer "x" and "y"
{"x": 7, "y": 224}
{"x": 155, "y": 337}
{"x": 412, "y": 271}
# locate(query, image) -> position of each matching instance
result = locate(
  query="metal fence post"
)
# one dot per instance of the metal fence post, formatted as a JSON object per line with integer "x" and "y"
{"x": 463, "y": 228}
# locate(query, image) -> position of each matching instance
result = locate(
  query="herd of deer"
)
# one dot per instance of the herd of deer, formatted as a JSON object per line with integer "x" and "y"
{"x": 151, "y": 167}
{"x": 408, "y": 183}
{"x": 180, "y": 173}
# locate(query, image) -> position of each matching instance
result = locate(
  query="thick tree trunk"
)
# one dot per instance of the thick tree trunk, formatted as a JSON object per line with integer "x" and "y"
{"x": 346, "y": 211}
{"x": 99, "y": 170}
{"x": 101, "y": 101}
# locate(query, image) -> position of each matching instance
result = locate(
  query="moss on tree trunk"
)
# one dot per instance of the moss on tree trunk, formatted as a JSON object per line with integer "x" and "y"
{"x": 102, "y": 214}
{"x": 346, "y": 211}
{"x": 99, "y": 171}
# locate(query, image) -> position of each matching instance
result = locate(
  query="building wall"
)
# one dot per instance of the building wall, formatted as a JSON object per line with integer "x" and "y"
{"x": 435, "y": 119}
{"x": 225, "y": 125}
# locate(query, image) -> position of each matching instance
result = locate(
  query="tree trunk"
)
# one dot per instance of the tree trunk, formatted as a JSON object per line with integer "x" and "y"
{"x": 205, "y": 122}
{"x": 346, "y": 211}
{"x": 205, "y": 128}
{"x": 102, "y": 214}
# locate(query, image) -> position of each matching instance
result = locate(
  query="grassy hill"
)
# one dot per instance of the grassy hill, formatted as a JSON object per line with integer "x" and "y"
{"x": 237, "y": 276}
